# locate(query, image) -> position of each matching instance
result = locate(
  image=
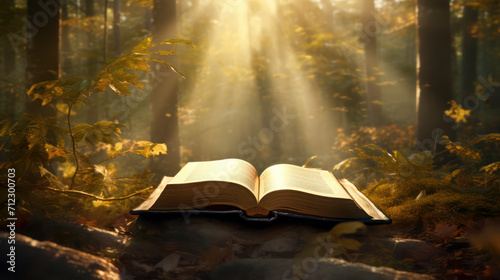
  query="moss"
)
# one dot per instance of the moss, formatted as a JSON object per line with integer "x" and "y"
{"x": 441, "y": 204}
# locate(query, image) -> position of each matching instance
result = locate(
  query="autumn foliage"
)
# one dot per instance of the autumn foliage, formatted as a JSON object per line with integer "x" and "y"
{"x": 55, "y": 158}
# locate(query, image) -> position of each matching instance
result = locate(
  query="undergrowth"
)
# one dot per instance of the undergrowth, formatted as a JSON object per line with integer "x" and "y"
{"x": 415, "y": 191}
{"x": 66, "y": 170}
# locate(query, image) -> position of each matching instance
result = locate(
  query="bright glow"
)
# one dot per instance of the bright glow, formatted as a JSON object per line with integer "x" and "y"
{"x": 250, "y": 70}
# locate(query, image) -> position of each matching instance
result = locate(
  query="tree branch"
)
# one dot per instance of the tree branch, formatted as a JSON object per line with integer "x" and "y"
{"x": 96, "y": 197}
{"x": 73, "y": 146}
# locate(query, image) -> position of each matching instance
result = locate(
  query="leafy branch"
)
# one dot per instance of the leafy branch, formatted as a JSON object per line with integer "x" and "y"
{"x": 27, "y": 135}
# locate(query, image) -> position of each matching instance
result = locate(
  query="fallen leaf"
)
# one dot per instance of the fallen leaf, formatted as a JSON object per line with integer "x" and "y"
{"x": 169, "y": 262}
{"x": 216, "y": 255}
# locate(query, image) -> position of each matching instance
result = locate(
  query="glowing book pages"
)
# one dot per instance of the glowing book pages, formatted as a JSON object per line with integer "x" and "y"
{"x": 283, "y": 188}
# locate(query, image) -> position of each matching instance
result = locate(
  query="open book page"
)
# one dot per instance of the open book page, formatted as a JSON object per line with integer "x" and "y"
{"x": 291, "y": 177}
{"x": 154, "y": 195}
{"x": 227, "y": 170}
{"x": 363, "y": 202}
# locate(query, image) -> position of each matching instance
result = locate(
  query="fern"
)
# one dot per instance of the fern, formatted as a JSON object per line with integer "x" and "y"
{"x": 414, "y": 191}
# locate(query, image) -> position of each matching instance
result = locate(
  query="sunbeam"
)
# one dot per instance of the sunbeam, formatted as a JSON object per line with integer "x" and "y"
{"x": 241, "y": 87}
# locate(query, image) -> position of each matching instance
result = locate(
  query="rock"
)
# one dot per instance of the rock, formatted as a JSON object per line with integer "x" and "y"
{"x": 75, "y": 235}
{"x": 47, "y": 260}
{"x": 264, "y": 269}
{"x": 284, "y": 242}
{"x": 413, "y": 249}
{"x": 197, "y": 235}
{"x": 203, "y": 232}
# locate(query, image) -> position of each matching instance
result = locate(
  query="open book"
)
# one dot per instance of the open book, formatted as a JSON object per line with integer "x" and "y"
{"x": 283, "y": 187}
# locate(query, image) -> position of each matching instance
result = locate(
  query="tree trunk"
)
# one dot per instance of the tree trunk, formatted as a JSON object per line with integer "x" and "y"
{"x": 91, "y": 38}
{"x": 116, "y": 27}
{"x": 469, "y": 50}
{"x": 9, "y": 66}
{"x": 266, "y": 104}
{"x": 163, "y": 98}
{"x": 369, "y": 40}
{"x": 93, "y": 110}
{"x": 105, "y": 56}
{"x": 65, "y": 42}
{"x": 328, "y": 12}
{"x": 434, "y": 86}
{"x": 148, "y": 16}
{"x": 42, "y": 49}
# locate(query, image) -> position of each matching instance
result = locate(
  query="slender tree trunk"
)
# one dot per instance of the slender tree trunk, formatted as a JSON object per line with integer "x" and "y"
{"x": 266, "y": 104}
{"x": 91, "y": 38}
{"x": 9, "y": 54}
{"x": 9, "y": 58}
{"x": 94, "y": 108}
{"x": 469, "y": 45}
{"x": 369, "y": 39}
{"x": 328, "y": 12}
{"x": 148, "y": 16}
{"x": 116, "y": 27}
{"x": 434, "y": 86}
{"x": 9, "y": 66}
{"x": 42, "y": 48}
{"x": 163, "y": 98}
{"x": 65, "y": 42}
{"x": 105, "y": 54}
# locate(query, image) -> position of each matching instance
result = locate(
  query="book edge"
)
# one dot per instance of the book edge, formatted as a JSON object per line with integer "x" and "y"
{"x": 145, "y": 207}
{"x": 153, "y": 197}
{"x": 351, "y": 188}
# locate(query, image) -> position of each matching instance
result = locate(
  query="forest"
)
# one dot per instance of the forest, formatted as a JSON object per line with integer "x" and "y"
{"x": 102, "y": 99}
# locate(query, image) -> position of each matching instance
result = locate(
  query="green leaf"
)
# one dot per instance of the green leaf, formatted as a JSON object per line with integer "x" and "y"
{"x": 80, "y": 130}
{"x": 144, "y": 45}
{"x": 80, "y": 85}
{"x": 99, "y": 132}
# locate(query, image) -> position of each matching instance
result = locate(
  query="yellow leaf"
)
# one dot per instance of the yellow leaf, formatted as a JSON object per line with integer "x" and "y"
{"x": 145, "y": 44}
{"x": 98, "y": 203}
{"x": 349, "y": 243}
{"x": 147, "y": 148}
{"x": 457, "y": 112}
{"x": 118, "y": 146}
{"x": 347, "y": 228}
{"x": 53, "y": 151}
{"x": 158, "y": 149}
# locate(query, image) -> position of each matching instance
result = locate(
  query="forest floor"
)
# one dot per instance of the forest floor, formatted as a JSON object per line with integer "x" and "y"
{"x": 159, "y": 247}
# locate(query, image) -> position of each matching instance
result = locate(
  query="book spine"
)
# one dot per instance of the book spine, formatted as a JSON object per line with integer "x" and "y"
{"x": 257, "y": 212}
